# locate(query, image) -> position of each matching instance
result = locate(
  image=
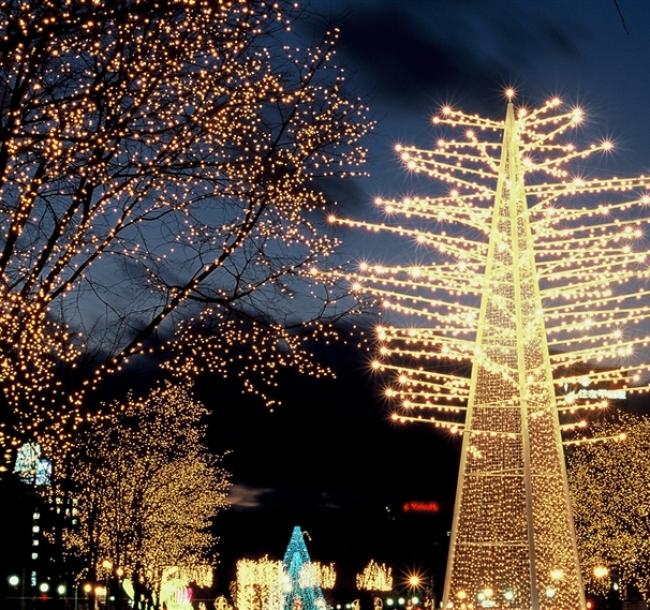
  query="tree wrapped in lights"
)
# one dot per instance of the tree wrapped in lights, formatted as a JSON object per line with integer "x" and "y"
{"x": 260, "y": 584}
{"x": 294, "y": 582}
{"x": 612, "y": 507}
{"x": 375, "y": 577}
{"x": 535, "y": 285}
{"x": 303, "y": 591}
{"x": 146, "y": 492}
{"x": 324, "y": 574}
{"x": 159, "y": 161}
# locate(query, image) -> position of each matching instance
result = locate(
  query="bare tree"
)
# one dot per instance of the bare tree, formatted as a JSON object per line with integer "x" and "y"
{"x": 158, "y": 160}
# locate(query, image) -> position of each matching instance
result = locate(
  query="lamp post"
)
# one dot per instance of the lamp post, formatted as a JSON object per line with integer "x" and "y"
{"x": 14, "y": 580}
{"x": 87, "y": 589}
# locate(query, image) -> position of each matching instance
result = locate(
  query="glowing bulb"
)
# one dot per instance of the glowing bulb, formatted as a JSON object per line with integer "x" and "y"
{"x": 577, "y": 116}
{"x": 414, "y": 580}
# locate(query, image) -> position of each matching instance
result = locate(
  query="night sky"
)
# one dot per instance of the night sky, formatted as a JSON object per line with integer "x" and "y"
{"x": 329, "y": 460}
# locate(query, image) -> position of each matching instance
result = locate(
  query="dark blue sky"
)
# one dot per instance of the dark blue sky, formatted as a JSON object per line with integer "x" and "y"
{"x": 329, "y": 460}
{"x": 407, "y": 57}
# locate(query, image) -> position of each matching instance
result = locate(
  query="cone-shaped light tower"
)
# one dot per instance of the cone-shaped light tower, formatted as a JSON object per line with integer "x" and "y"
{"x": 530, "y": 313}
{"x": 512, "y": 533}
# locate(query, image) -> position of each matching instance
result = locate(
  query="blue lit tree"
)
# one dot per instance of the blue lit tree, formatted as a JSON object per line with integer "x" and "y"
{"x": 303, "y": 587}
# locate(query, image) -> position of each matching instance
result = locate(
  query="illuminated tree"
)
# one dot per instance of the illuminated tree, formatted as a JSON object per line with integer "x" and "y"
{"x": 160, "y": 161}
{"x": 265, "y": 584}
{"x": 528, "y": 277}
{"x": 375, "y": 577}
{"x": 303, "y": 587}
{"x": 260, "y": 584}
{"x": 323, "y": 574}
{"x": 146, "y": 491}
{"x": 611, "y": 506}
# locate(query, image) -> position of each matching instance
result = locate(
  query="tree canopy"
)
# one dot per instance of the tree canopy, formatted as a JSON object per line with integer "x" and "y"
{"x": 162, "y": 168}
{"x": 610, "y": 483}
{"x": 141, "y": 491}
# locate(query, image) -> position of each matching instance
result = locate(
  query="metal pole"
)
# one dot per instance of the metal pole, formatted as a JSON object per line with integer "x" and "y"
{"x": 22, "y": 591}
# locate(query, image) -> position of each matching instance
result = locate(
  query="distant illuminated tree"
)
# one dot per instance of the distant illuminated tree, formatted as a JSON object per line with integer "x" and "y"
{"x": 260, "y": 584}
{"x": 146, "y": 490}
{"x": 611, "y": 506}
{"x": 375, "y": 577}
{"x": 303, "y": 590}
{"x": 160, "y": 161}
{"x": 324, "y": 574}
{"x": 267, "y": 584}
{"x": 530, "y": 286}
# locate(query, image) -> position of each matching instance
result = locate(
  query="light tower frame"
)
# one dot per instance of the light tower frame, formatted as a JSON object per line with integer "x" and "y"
{"x": 510, "y": 174}
{"x": 550, "y": 293}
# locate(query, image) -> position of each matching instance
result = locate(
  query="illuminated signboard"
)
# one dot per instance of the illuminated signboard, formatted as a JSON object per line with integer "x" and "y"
{"x": 420, "y": 507}
{"x": 584, "y": 391}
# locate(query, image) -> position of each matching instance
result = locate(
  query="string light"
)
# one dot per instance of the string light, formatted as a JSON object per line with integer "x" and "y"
{"x": 375, "y": 577}
{"x": 302, "y": 581}
{"x": 260, "y": 584}
{"x": 146, "y": 491}
{"x": 535, "y": 288}
{"x": 157, "y": 161}
{"x": 318, "y": 574}
{"x": 610, "y": 485}
{"x": 176, "y": 581}
{"x": 294, "y": 582}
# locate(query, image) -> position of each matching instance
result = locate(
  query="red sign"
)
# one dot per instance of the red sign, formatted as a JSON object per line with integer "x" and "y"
{"x": 420, "y": 507}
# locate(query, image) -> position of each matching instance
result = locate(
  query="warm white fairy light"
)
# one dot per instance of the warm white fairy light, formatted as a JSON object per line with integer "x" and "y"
{"x": 142, "y": 473}
{"x": 610, "y": 485}
{"x": 536, "y": 283}
{"x": 159, "y": 159}
{"x": 317, "y": 574}
{"x": 260, "y": 584}
{"x": 375, "y": 577}
{"x": 263, "y": 584}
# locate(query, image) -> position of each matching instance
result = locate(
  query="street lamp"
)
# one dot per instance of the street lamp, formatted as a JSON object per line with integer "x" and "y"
{"x": 14, "y": 581}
